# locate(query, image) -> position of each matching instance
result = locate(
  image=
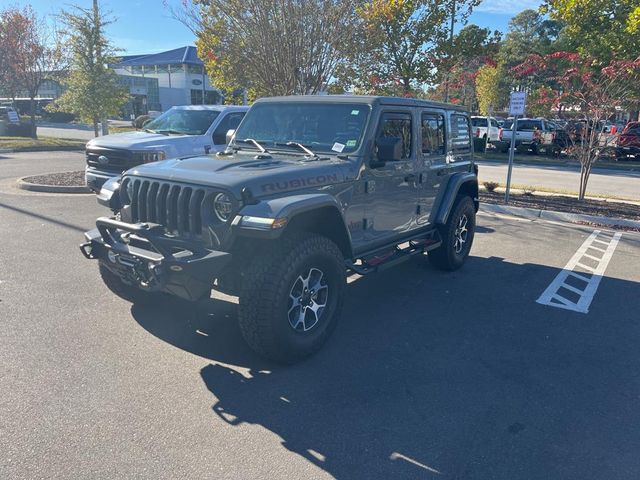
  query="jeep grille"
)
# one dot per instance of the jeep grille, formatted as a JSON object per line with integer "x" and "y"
{"x": 177, "y": 207}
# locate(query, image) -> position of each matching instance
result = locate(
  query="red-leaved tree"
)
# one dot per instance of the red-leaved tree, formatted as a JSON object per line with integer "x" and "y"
{"x": 31, "y": 54}
{"x": 578, "y": 84}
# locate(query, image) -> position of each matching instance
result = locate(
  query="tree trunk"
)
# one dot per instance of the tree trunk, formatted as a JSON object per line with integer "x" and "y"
{"x": 105, "y": 126}
{"x": 32, "y": 106}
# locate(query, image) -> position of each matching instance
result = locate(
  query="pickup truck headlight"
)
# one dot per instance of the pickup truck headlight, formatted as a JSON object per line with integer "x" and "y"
{"x": 223, "y": 207}
{"x": 152, "y": 156}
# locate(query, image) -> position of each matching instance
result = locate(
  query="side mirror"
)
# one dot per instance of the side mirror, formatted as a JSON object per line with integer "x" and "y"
{"x": 230, "y": 134}
{"x": 389, "y": 149}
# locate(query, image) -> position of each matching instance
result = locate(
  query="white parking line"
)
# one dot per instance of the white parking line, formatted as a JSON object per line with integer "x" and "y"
{"x": 590, "y": 279}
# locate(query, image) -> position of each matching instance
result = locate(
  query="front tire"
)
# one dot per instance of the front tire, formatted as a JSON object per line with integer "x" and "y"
{"x": 130, "y": 293}
{"x": 291, "y": 297}
{"x": 457, "y": 236}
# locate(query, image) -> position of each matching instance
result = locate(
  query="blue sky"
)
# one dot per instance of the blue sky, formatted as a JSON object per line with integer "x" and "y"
{"x": 145, "y": 26}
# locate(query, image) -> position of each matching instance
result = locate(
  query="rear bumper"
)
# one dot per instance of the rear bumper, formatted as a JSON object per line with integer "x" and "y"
{"x": 623, "y": 151}
{"x": 143, "y": 257}
{"x": 95, "y": 178}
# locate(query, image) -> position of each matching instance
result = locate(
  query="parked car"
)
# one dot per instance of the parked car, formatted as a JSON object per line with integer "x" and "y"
{"x": 486, "y": 128}
{"x": 180, "y": 131}
{"x": 310, "y": 189}
{"x": 532, "y": 133}
{"x": 9, "y": 114}
{"x": 628, "y": 145}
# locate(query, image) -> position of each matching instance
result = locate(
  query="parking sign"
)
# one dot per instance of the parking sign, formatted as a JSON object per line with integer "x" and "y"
{"x": 517, "y": 103}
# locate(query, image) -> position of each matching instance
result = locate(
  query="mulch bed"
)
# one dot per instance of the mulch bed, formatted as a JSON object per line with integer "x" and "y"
{"x": 561, "y": 203}
{"x": 64, "y": 179}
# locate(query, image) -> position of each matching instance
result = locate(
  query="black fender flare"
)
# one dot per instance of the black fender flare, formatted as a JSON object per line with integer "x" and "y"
{"x": 287, "y": 209}
{"x": 456, "y": 183}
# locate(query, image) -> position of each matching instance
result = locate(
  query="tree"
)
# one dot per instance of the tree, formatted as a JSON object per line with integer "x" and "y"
{"x": 488, "y": 89}
{"x": 92, "y": 90}
{"x": 401, "y": 41}
{"x": 271, "y": 47}
{"x": 31, "y": 54}
{"x": 459, "y": 61}
{"x": 601, "y": 30}
{"x": 596, "y": 93}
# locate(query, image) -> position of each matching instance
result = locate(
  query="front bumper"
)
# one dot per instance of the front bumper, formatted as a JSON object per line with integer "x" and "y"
{"x": 95, "y": 178}
{"x": 144, "y": 257}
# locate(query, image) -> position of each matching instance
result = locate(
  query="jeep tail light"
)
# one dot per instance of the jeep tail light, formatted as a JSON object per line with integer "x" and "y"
{"x": 500, "y": 132}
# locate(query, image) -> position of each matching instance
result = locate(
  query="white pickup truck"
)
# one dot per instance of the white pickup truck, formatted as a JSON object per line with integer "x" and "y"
{"x": 180, "y": 131}
{"x": 532, "y": 133}
{"x": 486, "y": 128}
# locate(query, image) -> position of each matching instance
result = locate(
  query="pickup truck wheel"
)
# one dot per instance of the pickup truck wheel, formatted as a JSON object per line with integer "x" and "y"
{"x": 291, "y": 297}
{"x": 457, "y": 236}
{"x": 130, "y": 293}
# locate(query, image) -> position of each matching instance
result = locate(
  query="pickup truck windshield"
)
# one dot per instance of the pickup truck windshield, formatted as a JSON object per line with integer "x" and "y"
{"x": 183, "y": 122}
{"x": 320, "y": 127}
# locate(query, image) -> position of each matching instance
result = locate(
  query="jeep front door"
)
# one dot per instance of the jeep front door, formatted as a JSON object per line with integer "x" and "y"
{"x": 391, "y": 187}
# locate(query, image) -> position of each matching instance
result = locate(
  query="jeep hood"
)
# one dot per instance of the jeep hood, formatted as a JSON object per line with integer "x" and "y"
{"x": 134, "y": 140}
{"x": 233, "y": 173}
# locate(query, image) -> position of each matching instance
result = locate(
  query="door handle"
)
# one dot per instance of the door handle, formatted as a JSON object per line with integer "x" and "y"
{"x": 410, "y": 178}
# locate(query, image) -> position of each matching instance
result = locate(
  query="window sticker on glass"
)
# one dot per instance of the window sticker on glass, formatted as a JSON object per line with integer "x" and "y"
{"x": 338, "y": 147}
{"x": 355, "y": 112}
{"x": 351, "y": 143}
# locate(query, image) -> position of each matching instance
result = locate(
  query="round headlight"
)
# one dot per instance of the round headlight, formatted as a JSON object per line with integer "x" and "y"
{"x": 223, "y": 206}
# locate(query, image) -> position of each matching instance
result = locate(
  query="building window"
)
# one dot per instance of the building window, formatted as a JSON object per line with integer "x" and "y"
{"x": 195, "y": 69}
{"x": 196, "y": 97}
{"x": 162, "y": 68}
{"x": 176, "y": 67}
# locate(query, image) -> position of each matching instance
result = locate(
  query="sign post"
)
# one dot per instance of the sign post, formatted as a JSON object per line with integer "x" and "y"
{"x": 516, "y": 108}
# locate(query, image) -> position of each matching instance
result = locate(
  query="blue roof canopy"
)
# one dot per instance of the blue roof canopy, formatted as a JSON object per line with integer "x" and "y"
{"x": 187, "y": 55}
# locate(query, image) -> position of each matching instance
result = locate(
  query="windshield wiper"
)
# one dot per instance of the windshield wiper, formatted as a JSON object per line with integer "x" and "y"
{"x": 255, "y": 144}
{"x": 169, "y": 132}
{"x": 300, "y": 146}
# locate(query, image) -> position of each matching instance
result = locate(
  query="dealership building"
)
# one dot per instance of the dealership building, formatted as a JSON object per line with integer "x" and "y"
{"x": 162, "y": 80}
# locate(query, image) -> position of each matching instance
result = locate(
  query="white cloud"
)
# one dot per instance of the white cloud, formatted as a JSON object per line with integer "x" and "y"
{"x": 507, "y": 7}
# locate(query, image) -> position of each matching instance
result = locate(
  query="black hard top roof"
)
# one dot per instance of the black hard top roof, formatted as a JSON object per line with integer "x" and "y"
{"x": 367, "y": 99}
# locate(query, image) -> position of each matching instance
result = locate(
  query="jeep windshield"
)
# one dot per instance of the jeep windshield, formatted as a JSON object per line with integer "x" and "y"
{"x": 321, "y": 127}
{"x": 183, "y": 122}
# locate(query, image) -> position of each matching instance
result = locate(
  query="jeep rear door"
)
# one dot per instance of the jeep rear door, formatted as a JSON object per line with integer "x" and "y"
{"x": 391, "y": 189}
{"x": 432, "y": 165}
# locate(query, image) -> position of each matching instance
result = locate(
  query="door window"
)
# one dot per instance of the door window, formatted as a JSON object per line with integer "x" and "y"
{"x": 398, "y": 125}
{"x": 460, "y": 134}
{"x": 433, "y": 142}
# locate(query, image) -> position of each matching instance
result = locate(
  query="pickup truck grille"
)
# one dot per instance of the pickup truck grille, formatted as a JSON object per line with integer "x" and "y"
{"x": 177, "y": 207}
{"x": 117, "y": 160}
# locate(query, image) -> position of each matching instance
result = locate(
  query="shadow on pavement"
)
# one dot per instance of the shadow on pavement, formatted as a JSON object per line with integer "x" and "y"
{"x": 44, "y": 218}
{"x": 431, "y": 375}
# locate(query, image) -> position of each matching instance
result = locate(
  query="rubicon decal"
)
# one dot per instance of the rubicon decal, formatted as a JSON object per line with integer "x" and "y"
{"x": 299, "y": 183}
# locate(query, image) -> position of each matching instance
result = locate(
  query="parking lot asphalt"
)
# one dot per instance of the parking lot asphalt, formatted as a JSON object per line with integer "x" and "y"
{"x": 429, "y": 375}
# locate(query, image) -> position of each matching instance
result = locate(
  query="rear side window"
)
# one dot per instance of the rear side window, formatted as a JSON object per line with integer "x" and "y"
{"x": 433, "y": 134}
{"x": 529, "y": 125}
{"x": 460, "y": 134}
{"x": 478, "y": 122}
{"x": 397, "y": 125}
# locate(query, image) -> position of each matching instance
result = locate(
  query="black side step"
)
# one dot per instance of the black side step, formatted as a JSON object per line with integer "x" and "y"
{"x": 383, "y": 259}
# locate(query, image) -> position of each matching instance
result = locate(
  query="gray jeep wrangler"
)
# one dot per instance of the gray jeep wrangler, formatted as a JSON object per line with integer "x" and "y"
{"x": 308, "y": 191}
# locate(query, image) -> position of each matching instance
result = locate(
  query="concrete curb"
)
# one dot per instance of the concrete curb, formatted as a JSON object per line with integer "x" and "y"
{"x": 534, "y": 213}
{"x": 34, "y": 187}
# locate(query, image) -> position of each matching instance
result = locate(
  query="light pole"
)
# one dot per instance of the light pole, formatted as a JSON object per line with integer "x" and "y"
{"x": 453, "y": 23}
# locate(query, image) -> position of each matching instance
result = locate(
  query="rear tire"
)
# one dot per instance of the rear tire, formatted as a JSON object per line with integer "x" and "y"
{"x": 291, "y": 297}
{"x": 457, "y": 236}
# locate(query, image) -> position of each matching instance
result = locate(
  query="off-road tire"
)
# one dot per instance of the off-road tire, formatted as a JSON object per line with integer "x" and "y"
{"x": 264, "y": 310}
{"x": 445, "y": 256}
{"x": 130, "y": 293}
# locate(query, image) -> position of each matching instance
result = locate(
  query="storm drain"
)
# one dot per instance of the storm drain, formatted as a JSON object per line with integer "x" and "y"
{"x": 575, "y": 286}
